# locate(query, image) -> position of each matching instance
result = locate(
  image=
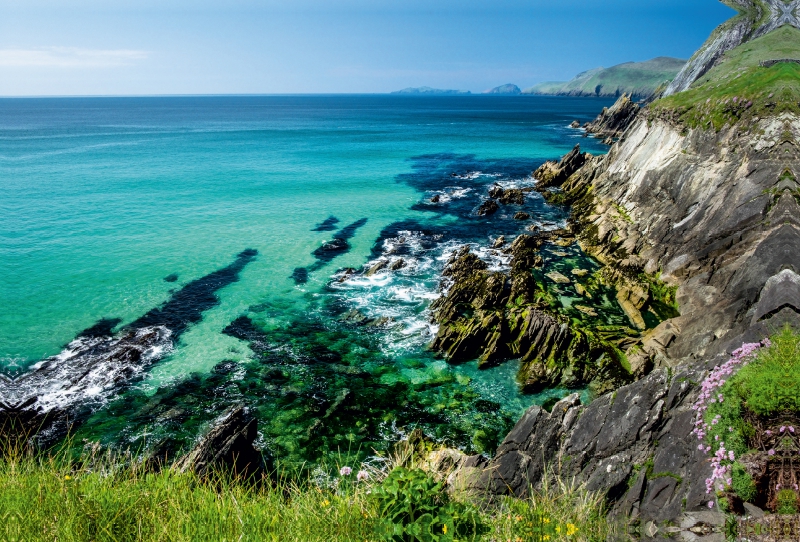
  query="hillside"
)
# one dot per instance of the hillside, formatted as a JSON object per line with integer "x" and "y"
{"x": 739, "y": 87}
{"x": 640, "y": 79}
{"x": 428, "y": 91}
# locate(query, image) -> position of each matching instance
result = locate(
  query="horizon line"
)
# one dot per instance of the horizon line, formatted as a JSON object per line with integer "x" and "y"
{"x": 282, "y": 94}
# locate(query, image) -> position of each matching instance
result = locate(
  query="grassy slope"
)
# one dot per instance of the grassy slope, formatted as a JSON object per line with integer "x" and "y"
{"x": 639, "y": 78}
{"x": 739, "y": 89}
{"x": 104, "y": 500}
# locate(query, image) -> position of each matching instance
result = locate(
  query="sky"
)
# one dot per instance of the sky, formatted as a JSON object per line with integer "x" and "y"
{"x": 144, "y": 47}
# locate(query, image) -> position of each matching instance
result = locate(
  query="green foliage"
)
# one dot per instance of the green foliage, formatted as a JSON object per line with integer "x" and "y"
{"x": 771, "y": 383}
{"x": 787, "y": 502}
{"x": 743, "y": 483}
{"x": 414, "y": 507}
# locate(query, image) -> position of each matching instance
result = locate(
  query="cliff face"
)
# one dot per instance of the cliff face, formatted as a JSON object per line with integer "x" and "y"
{"x": 714, "y": 212}
{"x": 717, "y": 214}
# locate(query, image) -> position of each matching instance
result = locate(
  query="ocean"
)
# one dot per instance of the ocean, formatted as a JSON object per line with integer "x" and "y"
{"x": 114, "y": 210}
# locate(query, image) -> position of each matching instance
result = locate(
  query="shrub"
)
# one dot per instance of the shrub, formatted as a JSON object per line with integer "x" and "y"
{"x": 743, "y": 483}
{"x": 414, "y": 507}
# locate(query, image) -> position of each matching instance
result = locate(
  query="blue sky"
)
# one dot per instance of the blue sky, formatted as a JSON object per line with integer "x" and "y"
{"x": 91, "y": 47}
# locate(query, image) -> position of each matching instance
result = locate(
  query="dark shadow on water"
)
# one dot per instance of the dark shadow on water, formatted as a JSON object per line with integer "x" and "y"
{"x": 187, "y": 305}
{"x": 329, "y": 224}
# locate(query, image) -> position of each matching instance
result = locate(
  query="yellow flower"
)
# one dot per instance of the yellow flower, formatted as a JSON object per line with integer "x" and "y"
{"x": 518, "y": 518}
{"x": 546, "y": 520}
{"x": 558, "y": 529}
{"x": 546, "y": 537}
{"x": 571, "y": 529}
{"x": 326, "y": 502}
{"x": 67, "y": 477}
{"x": 444, "y": 529}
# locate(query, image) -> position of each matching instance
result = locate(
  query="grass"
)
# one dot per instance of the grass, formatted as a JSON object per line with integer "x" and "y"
{"x": 739, "y": 89}
{"x": 55, "y": 499}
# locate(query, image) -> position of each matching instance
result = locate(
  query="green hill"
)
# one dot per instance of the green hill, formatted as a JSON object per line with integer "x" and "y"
{"x": 740, "y": 87}
{"x": 640, "y": 79}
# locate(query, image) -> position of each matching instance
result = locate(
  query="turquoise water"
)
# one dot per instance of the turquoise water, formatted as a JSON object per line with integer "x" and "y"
{"x": 104, "y": 199}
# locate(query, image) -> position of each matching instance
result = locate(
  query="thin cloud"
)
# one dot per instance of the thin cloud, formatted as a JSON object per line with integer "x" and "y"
{"x": 69, "y": 57}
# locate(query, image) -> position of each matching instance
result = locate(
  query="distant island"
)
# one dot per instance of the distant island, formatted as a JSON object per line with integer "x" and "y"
{"x": 509, "y": 89}
{"x": 638, "y": 79}
{"x": 428, "y": 91}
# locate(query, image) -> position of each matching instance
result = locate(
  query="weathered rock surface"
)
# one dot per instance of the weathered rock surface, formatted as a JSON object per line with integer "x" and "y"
{"x": 635, "y": 445}
{"x": 488, "y": 207}
{"x": 714, "y": 212}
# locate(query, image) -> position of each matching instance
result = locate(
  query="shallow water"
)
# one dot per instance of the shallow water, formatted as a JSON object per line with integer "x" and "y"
{"x": 111, "y": 207}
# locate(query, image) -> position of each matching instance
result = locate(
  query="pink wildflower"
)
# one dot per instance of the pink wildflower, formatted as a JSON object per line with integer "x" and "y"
{"x": 345, "y": 471}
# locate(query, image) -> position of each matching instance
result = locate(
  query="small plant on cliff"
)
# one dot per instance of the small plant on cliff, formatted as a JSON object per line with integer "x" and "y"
{"x": 414, "y": 507}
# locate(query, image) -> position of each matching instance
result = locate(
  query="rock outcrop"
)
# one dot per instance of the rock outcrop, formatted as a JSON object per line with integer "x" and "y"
{"x": 226, "y": 447}
{"x": 635, "y": 445}
{"x": 613, "y": 121}
{"x": 497, "y": 316}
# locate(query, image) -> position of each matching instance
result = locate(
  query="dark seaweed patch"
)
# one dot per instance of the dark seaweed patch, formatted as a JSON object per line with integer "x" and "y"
{"x": 103, "y": 328}
{"x": 300, "y": 275}
{"x": 329, "y": 224}
{"x": 187, "y": 305}
{"x": 171, "y": 278}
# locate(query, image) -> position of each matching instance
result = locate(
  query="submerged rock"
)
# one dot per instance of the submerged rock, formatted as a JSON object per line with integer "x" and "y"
{"x": 558, "y": 278}
{"x": 522, "y": 216}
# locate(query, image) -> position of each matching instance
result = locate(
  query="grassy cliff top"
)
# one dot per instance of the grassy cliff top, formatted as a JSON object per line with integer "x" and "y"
{"x": 636, "y": 78}
{"x": 739, "y": 88}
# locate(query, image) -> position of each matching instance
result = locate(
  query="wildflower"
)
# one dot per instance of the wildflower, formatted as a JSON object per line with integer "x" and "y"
{"x": 783, "y": 428}
{"x": 791, "y": 429}
{"x": 546, "y": 521}
{"x": 67, "y": 477}
{"x": 545, "y": 537}
{"x": 345, "y": 471}
{"x": 326, "y": 503}
{"x": 771, "y": 452}
{"x": 558, "y": 529}
{"x": 711, "y": 504}
{"x": 518, "y": 518}
{"x": 730, "y": 429}
{"x": 444, "y": 528}
{"x": 362, "y": 476}
{"x": 768, "y": 433}
{"x": 571, "y": 529}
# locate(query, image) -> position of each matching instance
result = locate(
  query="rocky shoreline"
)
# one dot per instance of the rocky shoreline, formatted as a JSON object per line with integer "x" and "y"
{"x": 698, "y": 219}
